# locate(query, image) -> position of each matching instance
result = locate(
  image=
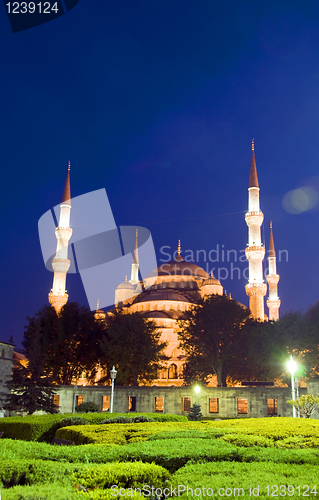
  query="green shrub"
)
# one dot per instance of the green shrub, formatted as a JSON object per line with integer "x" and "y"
{"x": 29, "y": 471}
{"x": 128, "y": 420}
{"x": 66, "y": 422}
{"x": 247, "y": 440}
{"x": 87, "y": 407}
{"x": 54, "y": 491}
{"x": 129, "y": 475}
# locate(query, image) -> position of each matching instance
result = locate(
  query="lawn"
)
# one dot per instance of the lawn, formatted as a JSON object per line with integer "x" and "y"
{"x": 267, "y": 457}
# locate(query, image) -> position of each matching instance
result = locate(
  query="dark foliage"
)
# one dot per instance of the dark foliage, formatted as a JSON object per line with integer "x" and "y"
{"x": 88, "y": 407}
{"x": 133, "y": 344}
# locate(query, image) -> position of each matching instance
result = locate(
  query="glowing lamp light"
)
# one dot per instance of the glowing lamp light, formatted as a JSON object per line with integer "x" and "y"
{"x": 292, "y": 365}
{"x": 197, "y": 390}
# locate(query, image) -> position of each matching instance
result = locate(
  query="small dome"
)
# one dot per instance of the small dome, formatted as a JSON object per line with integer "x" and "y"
{"x": 126, "y": 285}
{"x": 211, "y": 281}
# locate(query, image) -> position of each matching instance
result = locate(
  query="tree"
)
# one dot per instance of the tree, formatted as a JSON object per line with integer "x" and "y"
{"x": 195, "y": 412}
{"x": 133, "y": 344}
{"x": 30, "y": 391}
{"x": 67, "y": 343}
{"x": 306, "y": 405}
{"x": 212, "y": 335}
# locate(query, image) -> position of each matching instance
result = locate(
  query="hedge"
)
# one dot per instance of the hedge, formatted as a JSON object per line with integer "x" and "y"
{"x": 117, "y": 433}
{"x": 127, "y": 475}
{"x": 234, "y": 476}
{"x": 44, "y": 427}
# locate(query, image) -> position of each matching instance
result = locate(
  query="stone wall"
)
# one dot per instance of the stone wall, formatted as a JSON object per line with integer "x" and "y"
{"x": 230, "y": 402}
{"x": 6, "y": 367}
{"x": 313, "y": 388}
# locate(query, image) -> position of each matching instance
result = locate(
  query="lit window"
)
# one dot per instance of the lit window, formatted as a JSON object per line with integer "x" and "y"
{"x": 242, "y": 406}
{"x": 159, "y": 404}
{"x": 105, "y": 403}
{"x": 186, "y": 404}
{"x": 172, "y": 371}
{"x": 271, "y": 406}
{"x": 213, "y": 405}
{"x": 56, "y": 400}
{"x": 132, "y": 403}
{"x": 79, "y": 400}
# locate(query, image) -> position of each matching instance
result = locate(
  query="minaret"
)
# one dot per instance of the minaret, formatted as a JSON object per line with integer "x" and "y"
{"x": 273, "y": 301}
{"x": 60, "y": 264}
{"x": 256, "y": 288}
{"x": 134, "y": 270}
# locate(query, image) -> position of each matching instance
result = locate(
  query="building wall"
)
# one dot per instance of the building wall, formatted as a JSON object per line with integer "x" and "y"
{"x": 313, "y": 388}
{"x": 6, "y": 367}
{"x": 255, "y": 398}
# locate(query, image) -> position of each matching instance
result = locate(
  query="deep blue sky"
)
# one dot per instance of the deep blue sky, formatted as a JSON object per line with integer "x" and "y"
{"x": 158, "y": 101}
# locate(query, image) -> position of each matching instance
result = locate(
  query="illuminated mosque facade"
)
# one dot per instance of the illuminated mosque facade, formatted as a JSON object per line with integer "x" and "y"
{"x": 176, "y": 286}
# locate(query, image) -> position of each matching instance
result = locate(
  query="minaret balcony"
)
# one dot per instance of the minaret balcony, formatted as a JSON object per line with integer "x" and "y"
{"x": 58, "y": 300}
{"x": 254, "y": 218}
{"x": 63, "y": 233}
{"x": 273, "y": 303}
{"x": 272, "y": 279}
{"x": 255, "y": 252}
{"x": 256, "y": 289}
{"x": 61, "y": 265}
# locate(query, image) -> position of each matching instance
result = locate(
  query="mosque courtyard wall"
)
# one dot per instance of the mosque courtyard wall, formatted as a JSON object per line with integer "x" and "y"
{"x": 215, "y": 402}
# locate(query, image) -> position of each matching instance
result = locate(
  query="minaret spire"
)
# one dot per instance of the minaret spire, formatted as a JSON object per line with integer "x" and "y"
{"x": 135, "y": 263}
{"x": 273, "y": 301}
{"x": 256, "y": 288}
{"x": 61, "y": 264}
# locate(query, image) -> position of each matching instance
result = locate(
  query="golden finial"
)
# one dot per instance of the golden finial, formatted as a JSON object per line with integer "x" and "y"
{"x": 125, "y": 279}
{"x": 271, "y": 224}
{"x": 69, "y": 165}
{"x": 98, "y": 305}
{"x": 211, "y": 274}
{"x": 253, "y": 145}
{"x": 179, "y": 248}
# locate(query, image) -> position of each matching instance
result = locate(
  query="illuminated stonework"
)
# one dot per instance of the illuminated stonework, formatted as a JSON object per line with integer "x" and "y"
{"x": 61, "y": 264}
{"x": 255, "y": 252}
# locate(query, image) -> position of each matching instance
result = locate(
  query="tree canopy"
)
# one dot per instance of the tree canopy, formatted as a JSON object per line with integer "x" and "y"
{"x": 133, "y": 344}
{"x": 66, "y": 343}
{"x": 213, "y": 336}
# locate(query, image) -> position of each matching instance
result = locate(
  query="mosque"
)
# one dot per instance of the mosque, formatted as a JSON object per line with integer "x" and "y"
{"x": 176, "y": 286}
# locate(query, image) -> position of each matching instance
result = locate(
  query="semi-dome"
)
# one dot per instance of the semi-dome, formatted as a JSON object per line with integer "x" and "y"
{"x": 159, "y": 296}
{"x": 211, "y": 281}
{"x": 157, "y": 314}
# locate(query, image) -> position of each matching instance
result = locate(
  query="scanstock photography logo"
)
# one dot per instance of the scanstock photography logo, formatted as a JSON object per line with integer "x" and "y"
{"x": 92, "y": 245}
{"x": 26, "y": 15}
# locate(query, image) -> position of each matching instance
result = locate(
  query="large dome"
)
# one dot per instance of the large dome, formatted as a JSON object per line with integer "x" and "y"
{"x": 179, "y": 267}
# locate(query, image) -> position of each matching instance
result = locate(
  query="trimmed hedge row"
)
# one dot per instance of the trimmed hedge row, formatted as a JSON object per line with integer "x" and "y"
{"x": 118, "y": 433}
{"x": 240, "y": 479}
{"x": 44, "y": 427}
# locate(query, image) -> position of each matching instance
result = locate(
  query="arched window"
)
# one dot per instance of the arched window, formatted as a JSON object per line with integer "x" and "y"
{"x": 3, "y": 353}
{"x": 172, "y": 371}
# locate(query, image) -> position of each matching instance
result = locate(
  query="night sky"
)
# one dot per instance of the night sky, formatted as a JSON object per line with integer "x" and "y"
{"x": 157, "y": 101}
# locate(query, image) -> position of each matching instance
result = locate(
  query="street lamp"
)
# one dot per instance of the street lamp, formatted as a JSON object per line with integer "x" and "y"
{"x": 292, "y": 368}
{"x": 74, "y": 397}
{"x": 197, "y": 390}
{"x": 113, "y": 373}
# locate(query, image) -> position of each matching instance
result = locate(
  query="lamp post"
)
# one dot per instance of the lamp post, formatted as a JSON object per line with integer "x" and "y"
{"x": 74, "y": 396}
{"x": 292, "y": 369}
{"x": 113, "y": 373}
{"x": 197, "y": 390}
